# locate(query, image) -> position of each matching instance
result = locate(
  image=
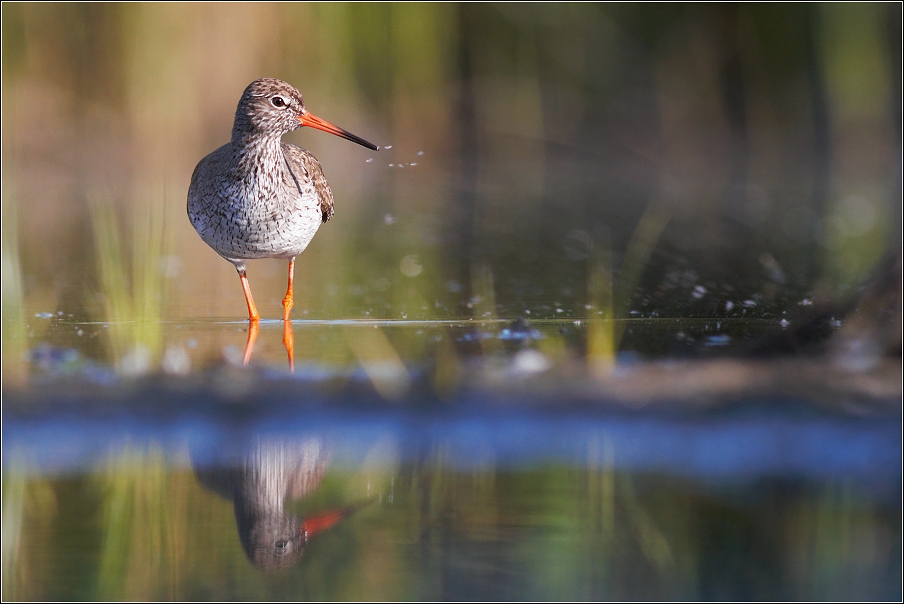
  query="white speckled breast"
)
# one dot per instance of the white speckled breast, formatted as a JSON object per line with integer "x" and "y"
{"x": 261, "y": 201}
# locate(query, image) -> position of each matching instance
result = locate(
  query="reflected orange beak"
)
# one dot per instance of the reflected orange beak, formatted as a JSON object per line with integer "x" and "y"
{"x": 312, "y": 525}
{"x": 312, "y": 121}
{"x": 317, "y": 524}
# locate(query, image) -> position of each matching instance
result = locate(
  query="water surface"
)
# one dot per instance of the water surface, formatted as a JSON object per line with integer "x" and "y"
{"x": 478, "y": 460}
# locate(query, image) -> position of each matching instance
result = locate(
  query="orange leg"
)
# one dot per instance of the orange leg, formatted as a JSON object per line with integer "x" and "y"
{"x": 253, "y": 317}
{"x": 289, "y": 301}
{"x": 253, "y": 329}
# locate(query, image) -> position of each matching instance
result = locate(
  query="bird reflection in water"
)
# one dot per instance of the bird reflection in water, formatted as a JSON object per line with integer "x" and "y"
{"x": 260, "y": 480}
{"x": 288, "y": 341}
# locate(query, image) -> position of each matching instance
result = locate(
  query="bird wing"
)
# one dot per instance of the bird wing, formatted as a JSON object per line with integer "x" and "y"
{"x": 303, "y": 163}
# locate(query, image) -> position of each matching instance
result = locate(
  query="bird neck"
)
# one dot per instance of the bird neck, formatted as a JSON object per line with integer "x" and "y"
{"x": 257, "y": 153}
{"x": 264, "y": 485}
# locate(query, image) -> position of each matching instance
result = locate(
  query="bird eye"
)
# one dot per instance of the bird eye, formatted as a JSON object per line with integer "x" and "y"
{"x": 278, "y": 101}
{"x": 281, "y": 544}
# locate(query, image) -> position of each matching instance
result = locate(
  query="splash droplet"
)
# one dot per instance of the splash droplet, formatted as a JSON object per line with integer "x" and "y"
{"x": 410, "y": 266}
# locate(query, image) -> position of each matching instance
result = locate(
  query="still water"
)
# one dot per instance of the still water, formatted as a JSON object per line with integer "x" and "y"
{"x": 474, "y": 462}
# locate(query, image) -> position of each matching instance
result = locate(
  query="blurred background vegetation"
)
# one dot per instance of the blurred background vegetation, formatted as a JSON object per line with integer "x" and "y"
{"x": 522, "y": 138}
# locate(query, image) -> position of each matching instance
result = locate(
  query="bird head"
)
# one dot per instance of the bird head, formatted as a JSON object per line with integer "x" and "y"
{"x": 272, "y": 107}
{"x": 275, "y": 541}
{"x": 272, "y": 543}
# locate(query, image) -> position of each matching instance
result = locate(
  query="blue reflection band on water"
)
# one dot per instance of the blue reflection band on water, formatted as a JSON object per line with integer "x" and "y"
{"x": 780, "y": 439}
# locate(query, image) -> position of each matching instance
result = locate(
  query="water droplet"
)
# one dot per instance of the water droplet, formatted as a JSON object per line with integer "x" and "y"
{"x": 729, "y": 305}
{"x": 176, "y": 361}
{"x": 369, "y": 159}
{"x": 232, "y": 356}
{"x": 749, "y": 303}
{"x": 410, "y": 266}
{"x": 420, "y": 152}
{"x": 44, "y": 315}
{"x": 784, "y": 323}
{"x": 392, "y": 165}
{"x": 722, "y": 340}
{"x": 699, "y": 291}
{"x": 773, "y": 268}
{"x": 387, "y": 146}
{"x": 414, "y": 163}
{"x": 530, "y": 361}
{"x": 136, "y": 361}
{"x": 170, "y": 266}
{"x": 388, "y": 219}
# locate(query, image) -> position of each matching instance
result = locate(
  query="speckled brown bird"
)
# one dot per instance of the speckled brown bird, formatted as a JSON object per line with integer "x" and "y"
{"x": 257, "y": 197}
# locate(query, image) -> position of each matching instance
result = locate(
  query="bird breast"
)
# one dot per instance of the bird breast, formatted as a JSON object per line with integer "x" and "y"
{"x": 253, "y": 205}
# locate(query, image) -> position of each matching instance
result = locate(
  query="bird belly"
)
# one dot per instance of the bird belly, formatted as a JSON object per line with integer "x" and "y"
{"x": 239, "y": 229}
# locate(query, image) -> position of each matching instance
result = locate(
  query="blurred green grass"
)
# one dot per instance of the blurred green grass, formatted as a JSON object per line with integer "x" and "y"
{"x": 132, "y": 285}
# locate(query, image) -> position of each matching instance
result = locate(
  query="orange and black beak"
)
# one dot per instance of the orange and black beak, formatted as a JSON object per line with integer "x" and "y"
{"x": 312, "y": 121}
